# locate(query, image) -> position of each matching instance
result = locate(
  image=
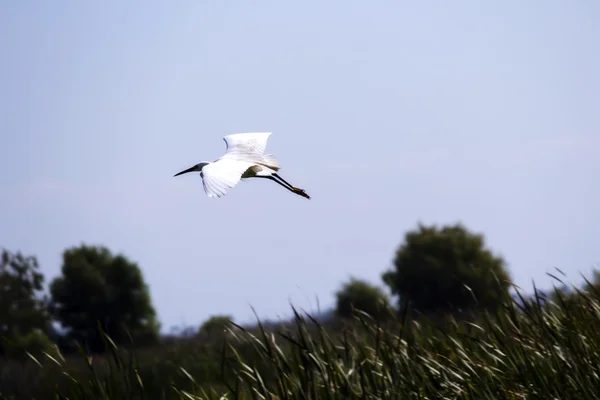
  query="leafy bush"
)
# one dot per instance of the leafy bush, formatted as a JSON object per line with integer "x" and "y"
{"x": 357, "y": 294}
{"x": 448, "y": 269}
{"x": 34, "y": 343}
{"x": 97, "y": 287}
{"x": 22, "y": 303}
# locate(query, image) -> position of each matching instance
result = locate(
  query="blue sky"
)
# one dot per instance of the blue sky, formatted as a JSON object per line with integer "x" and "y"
{"x": 387, "y": 113}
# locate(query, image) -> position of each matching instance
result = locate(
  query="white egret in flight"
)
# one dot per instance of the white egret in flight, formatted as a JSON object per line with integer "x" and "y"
{"x": 244, "y": 158}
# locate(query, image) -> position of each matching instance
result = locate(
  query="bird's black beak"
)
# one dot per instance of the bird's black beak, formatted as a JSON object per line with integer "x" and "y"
{"x": 192, "y": 169}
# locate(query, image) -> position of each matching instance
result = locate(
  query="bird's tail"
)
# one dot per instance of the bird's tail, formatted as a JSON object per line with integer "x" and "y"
{"x": 270, "y": 161}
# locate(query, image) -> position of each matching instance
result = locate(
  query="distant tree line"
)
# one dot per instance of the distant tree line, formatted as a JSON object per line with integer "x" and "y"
{"x": 435, "y": 270}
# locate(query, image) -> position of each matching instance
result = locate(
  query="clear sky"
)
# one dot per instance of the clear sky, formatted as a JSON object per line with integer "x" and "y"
{"x": 386, "y": 112}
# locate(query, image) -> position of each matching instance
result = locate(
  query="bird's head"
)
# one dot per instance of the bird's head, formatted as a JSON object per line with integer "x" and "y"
{"x": 196, "y": 168}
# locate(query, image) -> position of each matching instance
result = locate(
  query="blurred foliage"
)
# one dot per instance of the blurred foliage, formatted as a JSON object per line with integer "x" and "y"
{"x": 34, "y": 343}
{"x": 526, "y": 349}
{"x": 98, "y": 288}
{"x": 360, "y": 295}
{"x": 23, "y": 308}
{"x": 215, "y": 326}
{"x": 447, "y": 270}
{"x": 572, "y": 294}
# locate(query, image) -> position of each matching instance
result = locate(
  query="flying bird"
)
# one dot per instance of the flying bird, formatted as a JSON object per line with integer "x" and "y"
{"x": 244, "y": 157}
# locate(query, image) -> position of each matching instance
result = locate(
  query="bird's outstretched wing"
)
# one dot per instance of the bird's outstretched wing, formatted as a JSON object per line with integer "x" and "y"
{"x": 222, "y": 175}
{"x": 246, "y": 144}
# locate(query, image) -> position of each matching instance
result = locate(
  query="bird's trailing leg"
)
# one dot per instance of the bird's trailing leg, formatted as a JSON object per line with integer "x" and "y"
{"x": 285, "y": 185}
{"x": 294, "y": 189}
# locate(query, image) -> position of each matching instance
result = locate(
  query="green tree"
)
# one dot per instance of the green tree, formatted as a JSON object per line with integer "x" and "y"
{"x": 97, "y": 288}
{"x": 35, "y": 343}
{"x": 214, "y": 327}
{"x": 22, "y": 303}
{"x": 447, "y": 269}
{"x": 360, "y": 295}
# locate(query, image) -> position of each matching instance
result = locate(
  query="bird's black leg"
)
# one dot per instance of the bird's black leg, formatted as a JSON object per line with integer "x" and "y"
{"x": 288, "y": 187}
{"x": 296, "y": 190}
{"x": 285, "y": 185}
{"x": 284, "y": 181}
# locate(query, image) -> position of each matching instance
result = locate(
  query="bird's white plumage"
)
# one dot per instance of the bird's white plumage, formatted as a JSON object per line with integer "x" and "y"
{"x": 244, "y": 150}
{"x": 222, "y": 175}
{"x": 253, "y": 143}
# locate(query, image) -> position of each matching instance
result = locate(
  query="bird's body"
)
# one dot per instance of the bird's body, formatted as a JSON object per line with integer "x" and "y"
{"x": 244, "y": 157}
